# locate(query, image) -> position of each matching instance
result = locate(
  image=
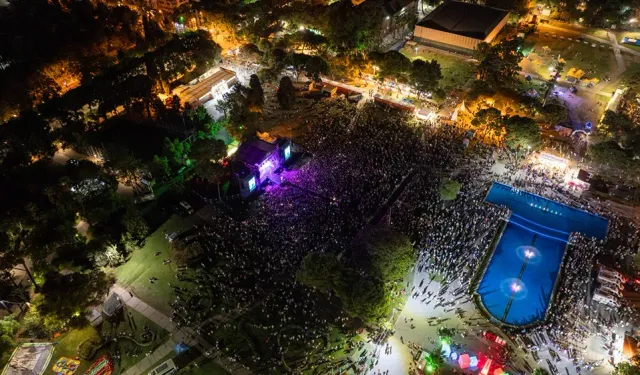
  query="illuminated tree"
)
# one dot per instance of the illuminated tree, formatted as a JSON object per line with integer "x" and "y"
{"x": 499, "y": 63}
{"x": 522, "y": 133}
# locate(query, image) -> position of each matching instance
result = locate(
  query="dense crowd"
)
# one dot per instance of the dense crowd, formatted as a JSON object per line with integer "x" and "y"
{"x": 260, "y": 316}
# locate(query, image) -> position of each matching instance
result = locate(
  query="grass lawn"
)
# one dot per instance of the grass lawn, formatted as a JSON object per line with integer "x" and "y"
{"x": 143, "y": 264}
{"x": 456, "y": 70}
{"x": 596, "y": 61}
{"x": 68, "y": 343}
{"x": 623, "y": 80}
{"x": 629, "y": 34}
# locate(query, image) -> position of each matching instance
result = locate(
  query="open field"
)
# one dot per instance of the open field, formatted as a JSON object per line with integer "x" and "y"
{"x": 598, "y": 61}
{"x": 143, "y": 264}
{"x": 456, "y": 69}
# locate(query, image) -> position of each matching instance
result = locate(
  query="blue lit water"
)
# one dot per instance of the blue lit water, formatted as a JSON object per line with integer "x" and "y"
{"x": 516, "y": 287}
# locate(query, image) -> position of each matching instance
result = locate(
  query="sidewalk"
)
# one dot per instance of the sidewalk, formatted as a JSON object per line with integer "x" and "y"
{"x": 177, "y": 334}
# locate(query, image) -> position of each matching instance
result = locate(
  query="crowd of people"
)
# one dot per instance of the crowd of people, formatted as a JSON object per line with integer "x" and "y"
{"x": 260, "y": 316}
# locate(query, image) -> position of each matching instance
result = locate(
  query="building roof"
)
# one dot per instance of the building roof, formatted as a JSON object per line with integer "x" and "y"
{"x": 470, "y": 20}
{"x": 193, "y": 94}
{"x": 254, "y": 152}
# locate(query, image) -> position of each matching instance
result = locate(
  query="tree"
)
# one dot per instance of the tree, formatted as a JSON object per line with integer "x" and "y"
{"x": 499, "y": 64}
{"x": 322, "y": 271}
{"x": 369, "y": 299}
{"x": 175, "y": 151}
{"x": 540, "y": 371}
{"x": 71, "y": 294}
{"x": 383, "y": 252}
{"x": 135, "y": 226}
{"x": 184, "y": 253}
{"x": 555, "y": 114}
{"x": 615, "y": 124}
{"x": 256, "y": 94}
{"x": 449, "y": 189}
{"x": 392, "y": 65}
{"x": 8, "y": 329}
{"x": 425, "y": 75}
{"x": 159, "y": 167}
{"x": 206, "y": 154}
{"x": 352, "y": 28}
{"x": 286, "y": 93}
{"x": 434, "y": 361}
{"x": 315, "y": 66}
{"x": 626, "y": 368}
{"x": 610, "y": 154}
{"x": 122, "y": 161}
{"x": 522, "y": 133}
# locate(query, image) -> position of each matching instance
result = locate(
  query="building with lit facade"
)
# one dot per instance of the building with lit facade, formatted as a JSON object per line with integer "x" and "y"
{"x": 460, "y": 27}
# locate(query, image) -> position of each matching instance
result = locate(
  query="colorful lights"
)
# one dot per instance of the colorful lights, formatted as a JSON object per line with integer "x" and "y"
{"x": 529, "y": 254}
{"x": 252, "y": 183}
{"x": 287, "y": 152}
{"x": 516, "y": 287}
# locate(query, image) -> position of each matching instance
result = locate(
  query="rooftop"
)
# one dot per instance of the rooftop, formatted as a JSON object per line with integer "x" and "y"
{"x": 254, "y": 152}
{"x": 192, "y": 94}
{"x": 470, "y": 20}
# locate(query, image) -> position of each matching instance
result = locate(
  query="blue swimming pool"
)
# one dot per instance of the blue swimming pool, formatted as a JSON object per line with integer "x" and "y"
{"x": 517, "y": 284}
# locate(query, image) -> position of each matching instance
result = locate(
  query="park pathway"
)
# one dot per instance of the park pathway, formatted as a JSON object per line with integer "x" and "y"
{"x": 177, "y": 334}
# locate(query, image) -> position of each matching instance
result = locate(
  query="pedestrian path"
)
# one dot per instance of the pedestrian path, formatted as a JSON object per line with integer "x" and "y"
{"x": 177, "y": 334}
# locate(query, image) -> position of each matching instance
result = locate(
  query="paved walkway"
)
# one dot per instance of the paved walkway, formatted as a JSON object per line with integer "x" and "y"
{"x": 177, "y": 334}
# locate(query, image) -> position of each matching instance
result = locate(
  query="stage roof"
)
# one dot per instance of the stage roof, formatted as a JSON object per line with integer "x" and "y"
{"x": 470, "y": 20}
{"x": 254, "y": 152}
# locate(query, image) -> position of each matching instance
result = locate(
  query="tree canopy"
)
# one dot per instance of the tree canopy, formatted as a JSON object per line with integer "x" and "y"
{"x": 522, "y": 133}
{"x": 499, "y": 63}
{"x": 383, "y": 252}
{"x": 449, "y": 189}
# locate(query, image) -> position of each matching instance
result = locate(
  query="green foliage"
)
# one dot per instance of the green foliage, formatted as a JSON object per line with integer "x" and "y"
{"x": 393, "y": 65}
{"x": 449, "y": 189}
{"x": 324, "y": 272}
{"x": 369, "y": 299}
{"x": 425, "y": 75}
{"x": 499, "y": 64}
{"x": 159, "y": 167}
{"x": 540, "y": 371}
{"x": 206, "y": 153}
{"x": 286, "y": 93}
{"x": 354, "y": 28}
{"x": 615, "y": 125}
{"x": 8, "y": 329}
{"x": 555, "y": 114}
{"x": 610, "y": 154}
{"x": 522, "y": 133}
{"x": 69, "y": 295}
{"x": 628, "y": 368}
{"x": 383, "y": 252}
{"x": 135, "y": 226}
{"x": 491, "y": 118}
{"x": 122, "y": 161}
{"x": 175, "y": 151}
